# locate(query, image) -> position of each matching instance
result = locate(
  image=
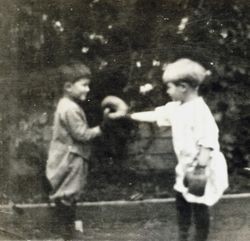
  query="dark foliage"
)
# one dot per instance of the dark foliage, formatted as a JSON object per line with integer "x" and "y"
{"x": 125, "y": 43}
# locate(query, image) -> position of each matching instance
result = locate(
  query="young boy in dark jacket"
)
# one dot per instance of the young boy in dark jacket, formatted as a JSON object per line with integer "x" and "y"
{"x": 67, "y": 164}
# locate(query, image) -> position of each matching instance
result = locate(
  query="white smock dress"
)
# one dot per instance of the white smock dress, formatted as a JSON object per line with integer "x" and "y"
{"x": 193, "y": 126}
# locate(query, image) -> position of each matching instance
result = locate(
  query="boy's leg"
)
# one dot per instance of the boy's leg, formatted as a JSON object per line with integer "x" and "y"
{"x": 66, "y": 217}
{"x": 184, "y": 213}
{"x": 201, "y": 220}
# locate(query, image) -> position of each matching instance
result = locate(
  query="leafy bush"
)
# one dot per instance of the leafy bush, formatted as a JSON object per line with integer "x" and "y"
{"x": 126, "y": 43}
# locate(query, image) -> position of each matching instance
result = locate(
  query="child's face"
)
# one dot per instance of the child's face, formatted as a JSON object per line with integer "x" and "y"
{"x": 176, "y": 92}
{"x": 79, "y": 89}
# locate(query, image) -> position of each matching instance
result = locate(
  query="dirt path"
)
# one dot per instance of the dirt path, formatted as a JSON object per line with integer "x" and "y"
{"x": 149, "y": 220}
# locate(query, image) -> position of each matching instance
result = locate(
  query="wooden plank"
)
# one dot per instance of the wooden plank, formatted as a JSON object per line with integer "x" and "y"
{"x": 152, "y": 162}
{"x": 154, "y": 146}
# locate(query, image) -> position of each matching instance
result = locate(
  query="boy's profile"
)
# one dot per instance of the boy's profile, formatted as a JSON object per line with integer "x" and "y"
{"x": 67, "y": 164}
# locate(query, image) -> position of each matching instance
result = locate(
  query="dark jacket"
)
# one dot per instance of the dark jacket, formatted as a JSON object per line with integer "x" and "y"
{"x": 71, "y": 134}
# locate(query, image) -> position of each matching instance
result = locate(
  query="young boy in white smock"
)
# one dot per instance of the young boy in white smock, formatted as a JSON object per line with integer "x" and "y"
{"x": 195, "y": 140}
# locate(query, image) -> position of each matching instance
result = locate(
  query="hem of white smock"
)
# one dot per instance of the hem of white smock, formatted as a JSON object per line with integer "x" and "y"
{"x": 201, "y": 200}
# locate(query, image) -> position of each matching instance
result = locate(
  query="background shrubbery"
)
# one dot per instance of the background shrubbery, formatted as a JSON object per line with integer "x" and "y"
{"x": 125, "y": 43}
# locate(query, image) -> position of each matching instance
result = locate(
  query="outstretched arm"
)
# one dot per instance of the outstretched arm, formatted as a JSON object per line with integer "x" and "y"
{"x": 146, "y": 116}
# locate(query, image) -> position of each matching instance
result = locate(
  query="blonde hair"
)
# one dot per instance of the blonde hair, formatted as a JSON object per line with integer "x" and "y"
{"x": 185, "y": 70}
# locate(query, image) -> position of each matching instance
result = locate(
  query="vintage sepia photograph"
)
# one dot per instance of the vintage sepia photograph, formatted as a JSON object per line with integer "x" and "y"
{"x": 124, "y": 120}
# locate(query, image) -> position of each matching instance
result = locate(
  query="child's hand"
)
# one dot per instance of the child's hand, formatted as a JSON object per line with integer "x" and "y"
{"x": 105, "y": 120}
{"x": 203, "y": 156}
{"x": 106, "y": 113}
